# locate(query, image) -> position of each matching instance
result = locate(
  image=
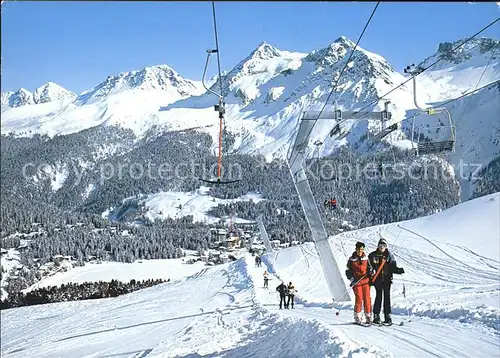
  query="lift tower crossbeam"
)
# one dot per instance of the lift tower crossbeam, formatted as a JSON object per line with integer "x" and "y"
{"x": 296, "y": 161}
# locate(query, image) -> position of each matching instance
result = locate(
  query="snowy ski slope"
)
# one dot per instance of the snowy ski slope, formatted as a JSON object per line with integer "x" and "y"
{"x": 452, "y": 295}
{"x": 139, "y": 270}
{"x": 172, "y": 204}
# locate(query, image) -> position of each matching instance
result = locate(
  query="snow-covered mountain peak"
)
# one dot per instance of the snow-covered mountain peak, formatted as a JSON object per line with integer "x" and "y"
{"x": 363, "y": 69}
{"x": 478, "y": 50}
{"x": 264, "y": 51}
{"x": 50, "y": 92}
{"x": 330, "y": 55}
{"x": 160, "y": 78}
{"x": 345, "y": 42}
{"x": 5, "y": 98}
{"x": 21, "y": 97}
{"x": 338, "y": 49}
{"x": 252, "y": 64}
{"x": 264, "y": 63}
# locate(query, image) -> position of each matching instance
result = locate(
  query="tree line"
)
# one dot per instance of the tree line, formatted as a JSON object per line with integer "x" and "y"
{"x": 74, "y": 292}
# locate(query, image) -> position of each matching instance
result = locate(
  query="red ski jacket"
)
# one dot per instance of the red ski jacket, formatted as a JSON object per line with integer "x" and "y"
{"x": 359, "y": 267}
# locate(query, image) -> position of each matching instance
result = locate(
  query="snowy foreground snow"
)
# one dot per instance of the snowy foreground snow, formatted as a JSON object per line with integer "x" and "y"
{"x": 452, "y": 299}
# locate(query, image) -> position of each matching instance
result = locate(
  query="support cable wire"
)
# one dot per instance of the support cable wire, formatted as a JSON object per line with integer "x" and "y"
{"x": 455, "y": 99}
{"x": 343, "y": 69}
{"x": 221, "y": 106}
{"x": 348, "y": 59}
{"x": 218, "y": 51}
{"x": 477, "y": 84}
{"x": 472, "y": 92}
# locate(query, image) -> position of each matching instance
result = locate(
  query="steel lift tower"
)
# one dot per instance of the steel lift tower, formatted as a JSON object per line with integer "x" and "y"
{"x": 296, "y": 160}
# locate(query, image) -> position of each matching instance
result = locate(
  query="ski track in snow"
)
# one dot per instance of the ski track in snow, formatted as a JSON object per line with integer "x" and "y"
{"x": 218, "y": 318}
{"x": 452, "y": 300}
{"x": 224, "y": 313}
{"x": 421, "y": 337}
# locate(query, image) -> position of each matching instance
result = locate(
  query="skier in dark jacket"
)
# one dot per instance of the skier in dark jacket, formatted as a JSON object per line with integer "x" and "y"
{"x": 283, "y": 291}
{"x": 384, "y": 264}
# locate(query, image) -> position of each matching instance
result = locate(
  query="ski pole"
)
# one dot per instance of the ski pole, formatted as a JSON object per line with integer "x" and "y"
{"x": 351, "y": 286}
{"x": 404, "y": 295}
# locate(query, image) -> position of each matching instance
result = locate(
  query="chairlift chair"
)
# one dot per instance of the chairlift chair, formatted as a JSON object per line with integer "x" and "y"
{"x": 220, "y": 108}
{"x": 385, "y": 132}
{"x": 423, "y": 147}
{"x": 385, "y": 116}
{"x": 339, "y": 132}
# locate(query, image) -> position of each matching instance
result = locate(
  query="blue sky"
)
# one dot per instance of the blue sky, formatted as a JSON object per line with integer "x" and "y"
{"x": 78, "y": 44}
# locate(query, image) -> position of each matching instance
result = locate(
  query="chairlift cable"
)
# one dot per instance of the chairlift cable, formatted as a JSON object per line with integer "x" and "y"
{"x": 348, "y": 59}
{"x": 220, "y": 107}
{"x": 462, "y": 96}
{"x": 357, "y": 113}
{"x": 431, "y": 65}
{"x": 472, "y": 92}
{"x": 217, "y": 48}
{"x": 477, "y": 84}
{"x": 345, "y": 65}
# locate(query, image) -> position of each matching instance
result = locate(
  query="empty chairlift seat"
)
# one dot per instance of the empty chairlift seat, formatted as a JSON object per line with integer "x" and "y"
{"x": 429, "y": 146}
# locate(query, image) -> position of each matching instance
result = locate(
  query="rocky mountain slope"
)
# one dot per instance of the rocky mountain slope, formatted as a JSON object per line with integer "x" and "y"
{"x": 265, "y": 94}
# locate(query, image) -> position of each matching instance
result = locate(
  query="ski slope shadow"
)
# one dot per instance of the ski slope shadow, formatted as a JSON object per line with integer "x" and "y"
{"x": 283, "y": 338}
{"x": 142, "y": 353}
{"x": 425, "y": 336}
{"x": 152, "y": 322}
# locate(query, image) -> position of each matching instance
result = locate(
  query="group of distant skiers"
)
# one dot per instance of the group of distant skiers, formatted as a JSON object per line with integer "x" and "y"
{"x": 375, "y": 269}
{"x": 287, "y": 292}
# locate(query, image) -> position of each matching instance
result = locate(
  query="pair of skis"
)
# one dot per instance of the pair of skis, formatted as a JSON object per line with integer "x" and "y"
{"x": 364, "y": 324}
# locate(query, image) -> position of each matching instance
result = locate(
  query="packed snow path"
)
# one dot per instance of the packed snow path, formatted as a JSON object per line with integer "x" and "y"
{"x": 224, "y": 312}
{"x": 422, "y": 337}
{"x": 211, "y": 314}
{"x": 452, "y": 284}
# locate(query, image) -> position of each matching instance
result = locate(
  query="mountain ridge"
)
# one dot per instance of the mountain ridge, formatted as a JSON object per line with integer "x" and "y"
{"x": 265, "y": 94}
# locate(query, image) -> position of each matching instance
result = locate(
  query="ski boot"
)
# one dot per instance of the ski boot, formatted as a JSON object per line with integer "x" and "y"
{"x": 376, "y": 318}
{"x": 357, "y": 317}
{"x": 368, "y": 317}
{"x": 388, "y": 320}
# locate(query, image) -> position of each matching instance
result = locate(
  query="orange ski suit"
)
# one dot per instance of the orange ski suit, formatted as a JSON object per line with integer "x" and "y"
{"x": 360, "y": 266}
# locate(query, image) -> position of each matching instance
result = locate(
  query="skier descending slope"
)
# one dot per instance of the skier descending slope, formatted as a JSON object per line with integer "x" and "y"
{"x": 358, "y": 272}
{"x": 385, "y": 265}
